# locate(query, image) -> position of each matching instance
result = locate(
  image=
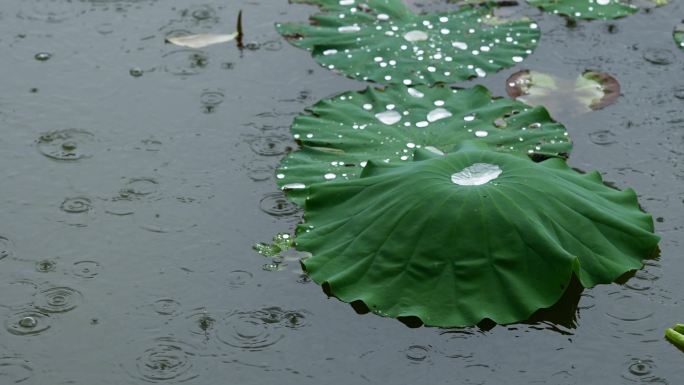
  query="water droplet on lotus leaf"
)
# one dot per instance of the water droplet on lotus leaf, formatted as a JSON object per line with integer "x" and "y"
{"x": 477, "y": 174}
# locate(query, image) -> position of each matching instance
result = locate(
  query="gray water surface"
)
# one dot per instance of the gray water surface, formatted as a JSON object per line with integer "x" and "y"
{"x": 130, "y": 204}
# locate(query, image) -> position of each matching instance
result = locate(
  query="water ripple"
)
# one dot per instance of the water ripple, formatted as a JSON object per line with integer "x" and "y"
{"x": 15, "y": 370}
{"x": 28, "y": 323}
{"x": 66, "y": 145}
{"x": 167, "y": 360}
{"x": 258, "y": 329}
{"x": 58, "y": 299}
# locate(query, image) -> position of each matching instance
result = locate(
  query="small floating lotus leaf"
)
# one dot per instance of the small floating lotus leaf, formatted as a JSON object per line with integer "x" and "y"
{"x": 339, "y": 135}
{"x": 471, "y": 235}
{"x": 678, "y": 35}
{"x": 592, "y": 90}
{"x": 595, "y": 9}
{"x": 383, "y": 41}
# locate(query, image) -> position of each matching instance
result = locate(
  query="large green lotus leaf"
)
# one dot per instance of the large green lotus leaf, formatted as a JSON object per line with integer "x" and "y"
{"x": 595, "y": 9}
{"x": 471, "y": 235}
{"x": 338, "y": 135}
{"x": 383, "y": 41}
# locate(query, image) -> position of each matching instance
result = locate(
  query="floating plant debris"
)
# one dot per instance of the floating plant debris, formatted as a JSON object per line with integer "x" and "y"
{"x": 457, "y": 239}
{"x": 586, "y": 9}
{"x": 383, "y": 41}
{"x": 206, "y": 39}
{"x": 281, "y": 242}
{"x": 339, "y": 135}
{"x": 201, "y": 40}
{"x": 592, "y": 90}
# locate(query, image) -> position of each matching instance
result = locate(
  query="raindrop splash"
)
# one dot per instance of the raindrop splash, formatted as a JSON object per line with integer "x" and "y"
{"x": 66, "y": 145}
{"x": 27, "y": 323}
{"x": 168, "y": 360}
{"x": 277, "y": 205}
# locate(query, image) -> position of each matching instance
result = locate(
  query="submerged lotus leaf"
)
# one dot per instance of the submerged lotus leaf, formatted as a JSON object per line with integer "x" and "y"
{"x": 338, "y": 135}
{"x": 592, "y": 90}
{"x": 383, "y": 41}
{"x": 595, "y": 9}
{"x": 472, "y": 235}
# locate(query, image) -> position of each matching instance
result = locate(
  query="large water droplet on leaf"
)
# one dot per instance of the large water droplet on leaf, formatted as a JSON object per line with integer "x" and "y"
{"x": 477, "y": 174}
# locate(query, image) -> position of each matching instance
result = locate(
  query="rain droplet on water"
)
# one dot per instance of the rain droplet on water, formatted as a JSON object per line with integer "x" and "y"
{"x": 168, "y": 360}
{"x": 639, "y": 368}
{"x": 239, "y": 278}
{"x": 15, "y": 370}
{"x": 86, "y": 269}
{"x": 277, "y": 205}
{"x": 167, "y": 306}
{"x": 70, "y": 144}
{"x": 271, "y": 145}
{"x": 58, "y": 300}
{"x": 417, "y": 353}
{"x": 603, "y": 137}
{"x": 659, "y": 56}
{"x": 5, "y": 247}
{"x": 259, "y": 170}
{"x": 77, "y": 205}
{"x": 27, "y": 323}
{"x": 46, "y": 266}
{"x": 43, "y": 56}
{"x": 258, "y": 329}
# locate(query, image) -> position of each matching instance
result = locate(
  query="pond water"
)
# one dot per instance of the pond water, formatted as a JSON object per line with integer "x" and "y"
{"x": 137, "y": 175}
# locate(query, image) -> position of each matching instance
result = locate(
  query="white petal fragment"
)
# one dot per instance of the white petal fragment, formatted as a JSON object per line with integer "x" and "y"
{"x": 201, "y": 40}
